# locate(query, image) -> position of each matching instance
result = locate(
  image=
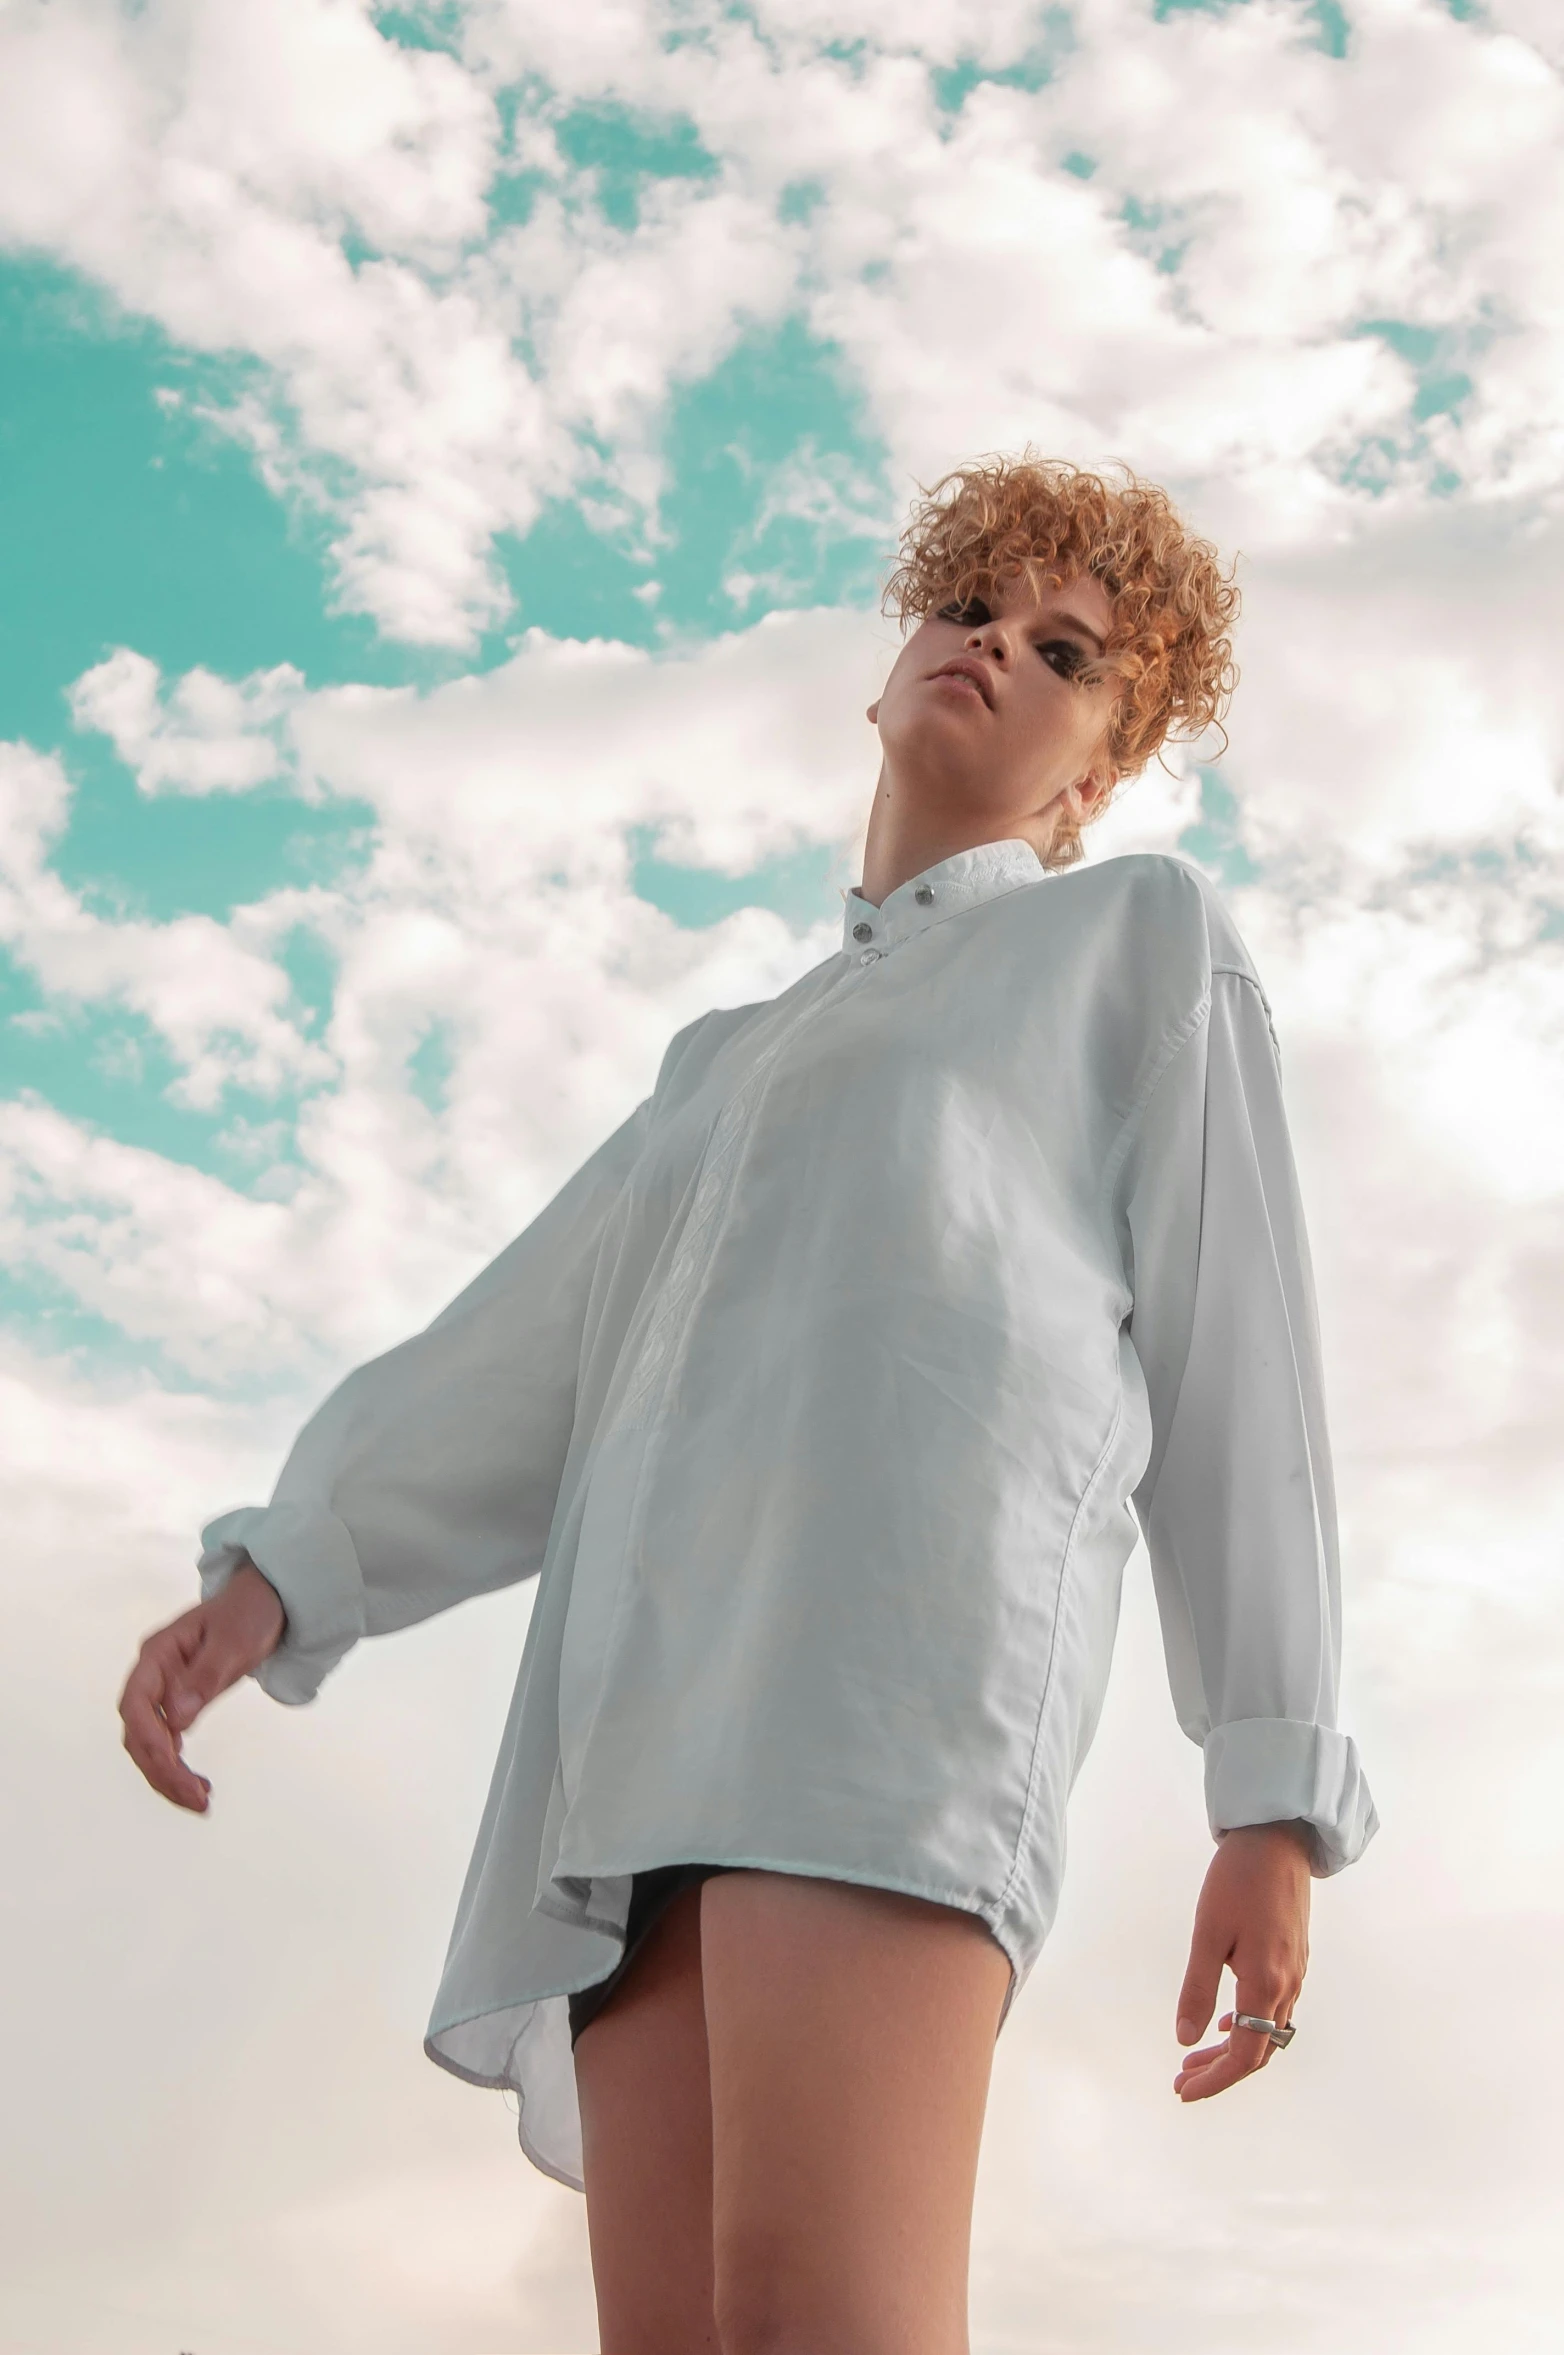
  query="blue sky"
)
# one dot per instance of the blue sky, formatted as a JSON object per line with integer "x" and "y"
{"x": 133, "y": 521}
{"x": 449, "y": 457}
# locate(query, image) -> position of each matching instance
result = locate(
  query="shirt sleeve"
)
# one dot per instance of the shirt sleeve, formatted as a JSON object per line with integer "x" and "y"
{"x": 1237, "y": 1500}
{"x": 431, "y": 1473}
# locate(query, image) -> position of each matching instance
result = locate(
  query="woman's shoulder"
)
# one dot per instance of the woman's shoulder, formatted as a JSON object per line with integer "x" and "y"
{"x": 1163, "y": 905}
{"x": 690, "y": 1051}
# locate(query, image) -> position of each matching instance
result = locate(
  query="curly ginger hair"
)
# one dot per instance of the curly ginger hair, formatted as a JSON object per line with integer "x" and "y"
{"x": 1044, "y": 521}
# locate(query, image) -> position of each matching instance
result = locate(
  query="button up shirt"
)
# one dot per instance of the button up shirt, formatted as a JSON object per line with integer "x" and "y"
{"x": 825, "y": 1402}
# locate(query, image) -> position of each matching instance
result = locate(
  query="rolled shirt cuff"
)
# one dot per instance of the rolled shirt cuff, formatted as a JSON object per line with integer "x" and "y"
{"x": 1283, "y": 1770}
{"x": 309, "y": 1557}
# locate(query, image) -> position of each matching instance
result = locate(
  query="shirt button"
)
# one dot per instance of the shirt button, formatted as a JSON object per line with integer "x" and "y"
{"x": 863, "y": 932}
{"x": 869, "y": 957}
{"x": 924, "y": 895}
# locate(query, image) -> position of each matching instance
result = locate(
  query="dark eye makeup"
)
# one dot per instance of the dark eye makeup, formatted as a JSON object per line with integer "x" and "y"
{"x": 1061, "y": 654}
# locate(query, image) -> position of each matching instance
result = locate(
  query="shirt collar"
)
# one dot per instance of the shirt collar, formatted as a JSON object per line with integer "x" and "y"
{"x": 963, "y": 881}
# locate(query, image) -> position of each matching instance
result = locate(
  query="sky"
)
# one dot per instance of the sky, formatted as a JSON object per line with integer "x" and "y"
{"x": 449, "y": 458}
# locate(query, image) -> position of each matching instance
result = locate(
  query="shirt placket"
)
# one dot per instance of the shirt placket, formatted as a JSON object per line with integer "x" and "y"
{"x": 874, "y": 936}
{"x": 669, "y": 1328}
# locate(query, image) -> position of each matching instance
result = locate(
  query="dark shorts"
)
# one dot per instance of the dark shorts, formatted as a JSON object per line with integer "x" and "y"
{"x": 651, "y": 1893}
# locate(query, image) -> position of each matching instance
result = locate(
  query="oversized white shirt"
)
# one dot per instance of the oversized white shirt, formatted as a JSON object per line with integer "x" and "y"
{"x": 825, "y": 1401}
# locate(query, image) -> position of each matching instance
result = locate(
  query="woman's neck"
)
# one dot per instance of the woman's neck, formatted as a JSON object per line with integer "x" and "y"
{"x": 904, "y": 840}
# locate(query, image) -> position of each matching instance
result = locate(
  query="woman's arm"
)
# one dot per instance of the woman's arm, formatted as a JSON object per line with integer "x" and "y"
{"x": 1237, "y": 1502}
{"x": 429, "y": 1475}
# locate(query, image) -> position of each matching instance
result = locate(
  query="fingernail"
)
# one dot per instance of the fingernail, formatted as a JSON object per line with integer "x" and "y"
{"x": 183, "y": 1707}
{"x": 1186, "y": 2031}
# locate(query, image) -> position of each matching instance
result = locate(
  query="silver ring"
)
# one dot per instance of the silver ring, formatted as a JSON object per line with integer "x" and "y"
{"x": 1283, "y": 2036}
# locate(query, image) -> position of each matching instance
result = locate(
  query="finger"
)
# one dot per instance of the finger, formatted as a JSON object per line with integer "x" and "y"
{"x": 155, "y": 1752}
{"x": 1196, "y": 2065}
{"x": 1281, "y": 2013}
{"x": 192, "y": 1678}
{"x": 1241, "y": 2053}
{"x": 1270, "y": 1998}
{"x": 1226, "y": 2068}
{"x": 161, "y": 1664}
{"x": 1197, "y": 1996}
{"x": 1200, "y": 2084}
{"x": 209, "y": 1668}
{"x": 141, "y": 1702}
{"x": 150, "y": 1741}
{"x": 166, "y": 1771}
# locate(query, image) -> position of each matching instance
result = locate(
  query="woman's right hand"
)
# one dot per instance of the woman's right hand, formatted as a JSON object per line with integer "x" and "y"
{"x": 185, "y": 1665}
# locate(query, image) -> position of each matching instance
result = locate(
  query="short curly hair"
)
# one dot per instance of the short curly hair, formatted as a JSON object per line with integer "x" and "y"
{"x": 1046, "y": 521}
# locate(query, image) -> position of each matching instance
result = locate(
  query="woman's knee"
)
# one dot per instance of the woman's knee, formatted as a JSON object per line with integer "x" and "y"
{"x": 768, "y": 2300}
{"x": 802, "y": 2280}
{"x": 750, "y": 2317}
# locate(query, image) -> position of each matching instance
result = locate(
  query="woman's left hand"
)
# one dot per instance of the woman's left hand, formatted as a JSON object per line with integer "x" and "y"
{"x": 1253, "y": 1915}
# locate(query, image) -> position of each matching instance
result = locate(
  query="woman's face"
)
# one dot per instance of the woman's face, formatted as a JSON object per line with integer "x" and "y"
{"x": 1004, "y": 742}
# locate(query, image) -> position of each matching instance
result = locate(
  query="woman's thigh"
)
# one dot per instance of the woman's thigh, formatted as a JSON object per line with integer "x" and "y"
{"x": 850, "y": 2037}
{"x": 645, "y": 2098}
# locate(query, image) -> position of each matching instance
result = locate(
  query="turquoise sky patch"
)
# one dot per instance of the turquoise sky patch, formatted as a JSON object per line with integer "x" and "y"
{"x": 775, "y": 479}
{"x": 1328, "y": 20}
{"x": 624, "y": 152}
{"x": 1216, "y": 837}
{"x": 126, "y": 520}
{"x": 129, "y": 520}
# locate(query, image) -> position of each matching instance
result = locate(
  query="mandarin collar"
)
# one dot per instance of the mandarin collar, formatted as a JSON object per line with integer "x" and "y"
{"x": 965, "y": 880}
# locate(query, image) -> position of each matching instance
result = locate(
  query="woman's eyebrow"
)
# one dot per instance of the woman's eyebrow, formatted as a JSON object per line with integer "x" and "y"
{"x": 1068, "y": 621}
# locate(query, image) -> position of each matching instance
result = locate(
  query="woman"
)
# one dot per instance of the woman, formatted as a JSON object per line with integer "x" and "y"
{"x": 819, "y": 1400}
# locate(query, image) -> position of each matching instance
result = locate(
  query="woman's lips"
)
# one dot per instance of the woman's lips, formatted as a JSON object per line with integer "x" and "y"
{"x": 960, "y": 679}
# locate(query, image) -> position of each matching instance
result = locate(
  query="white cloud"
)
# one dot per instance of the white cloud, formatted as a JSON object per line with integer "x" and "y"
{"x": 437, "y": 382}
{"x": 218, "y": 1002}
{"x": 1401, "y": 697}
{"x": 207, "y": 736}
{"x": 1534, "y": 22}
{"x": 495, "y": 910}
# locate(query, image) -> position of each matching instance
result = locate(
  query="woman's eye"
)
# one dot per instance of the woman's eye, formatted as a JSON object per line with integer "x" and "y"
{"x": 1063, "y": 656}
{"x": 972, "y": 615}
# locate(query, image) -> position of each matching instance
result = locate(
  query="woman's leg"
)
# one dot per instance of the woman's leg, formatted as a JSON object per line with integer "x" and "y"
{"x": 849, "y": 2037}
{"x": 645, "y": 2099}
